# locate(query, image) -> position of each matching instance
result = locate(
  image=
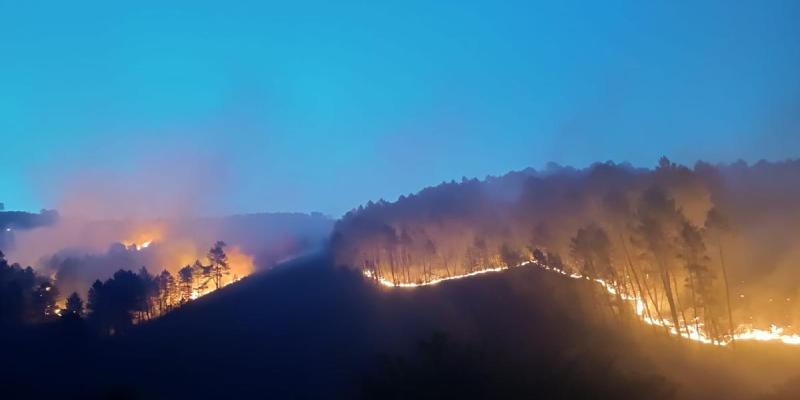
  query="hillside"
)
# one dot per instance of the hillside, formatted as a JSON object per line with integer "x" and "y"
{"x": 309, "y": 330}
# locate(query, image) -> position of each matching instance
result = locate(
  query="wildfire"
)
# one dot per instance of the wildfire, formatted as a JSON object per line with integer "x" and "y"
{"x": 386, "y": 282}
{"x": 694, "y": 331}
{"x": 143, "y": 235}
{"x": 138, "y": 246}
{"x": 200, "y": 292}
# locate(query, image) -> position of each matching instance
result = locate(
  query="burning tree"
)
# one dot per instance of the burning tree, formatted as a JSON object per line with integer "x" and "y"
{"x": 717, "y": 225}
{"x": 592, "y": 248}
{"x": 698, "y": 277}
{"x": 44, "y": 301}
{"x": 657, "y": 216}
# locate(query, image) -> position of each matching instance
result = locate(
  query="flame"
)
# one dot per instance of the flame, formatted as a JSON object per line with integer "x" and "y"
{"x": 137, "y": 246}
{"x": 143, "y": 235}
{"x": 694, "y": 331}
{"x": 386, "y": 282}
{"x": 241, "y": 265}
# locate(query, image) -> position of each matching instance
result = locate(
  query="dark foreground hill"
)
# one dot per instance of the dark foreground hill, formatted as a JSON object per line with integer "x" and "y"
{"x": 309, "y": 330}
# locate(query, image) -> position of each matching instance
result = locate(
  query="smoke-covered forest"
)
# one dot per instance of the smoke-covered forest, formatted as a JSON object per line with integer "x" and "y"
{"x": 147, "y": 269}
{"x": 261, "y": 200}
{"x": 709, "y": 246}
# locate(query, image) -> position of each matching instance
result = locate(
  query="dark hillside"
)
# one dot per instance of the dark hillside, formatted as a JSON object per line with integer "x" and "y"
{"x": 309, "y": 330}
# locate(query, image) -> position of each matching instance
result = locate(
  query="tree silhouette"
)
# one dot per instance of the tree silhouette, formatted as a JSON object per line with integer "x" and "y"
{"x": 692, "y": 251}
{"x": 219, "y": 263}
{"x": 74, "y": 306}
{"x": 166, "y": 292}
{"x": 658, "y": 219}
{"x": 717, "y": 225}
{"x": 150, "y": 288}
{"x": 203, "y": 276}
{"x": 113, "y": 303}
{"x": 185, "y": 283}
{"x": 17, "y": 286}
{"x": 592, "y": 249}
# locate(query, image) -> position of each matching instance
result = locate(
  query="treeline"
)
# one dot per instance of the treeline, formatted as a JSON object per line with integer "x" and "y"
{"x": 114, "y": 305}
{"x": 658, "y": 235}
{"x": 25, "y": 297}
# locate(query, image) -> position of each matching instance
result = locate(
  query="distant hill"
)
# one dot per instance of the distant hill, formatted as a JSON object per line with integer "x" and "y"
{"x": 26, "y": 220}
{"x": 11, "y": 221}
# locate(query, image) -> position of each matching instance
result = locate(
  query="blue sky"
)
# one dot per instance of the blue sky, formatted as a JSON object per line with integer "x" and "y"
{"x": 301, "y": 106}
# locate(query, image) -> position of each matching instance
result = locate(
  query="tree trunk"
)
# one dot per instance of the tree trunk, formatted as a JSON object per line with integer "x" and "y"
{"x": 391, "y": 267}
{"x": 637, "y": 285}
{"x": 606, "y": 296}
{"x": 694, "y": 306}
{"x": 636, "y": 279}
{"x": 727, "y": 289}
{"x": 665, "y": 281}
{"x": 656, "y": 304}
{"x": 680, "y": 307}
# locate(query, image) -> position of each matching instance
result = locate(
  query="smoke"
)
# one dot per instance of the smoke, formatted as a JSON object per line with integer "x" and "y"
{"x": 460, "y": 225}
{"x": 685, "y": 220}
{"x": 77, "y": 251}
{"x": 144, "y": 178}
{"x": 168, "y": 186}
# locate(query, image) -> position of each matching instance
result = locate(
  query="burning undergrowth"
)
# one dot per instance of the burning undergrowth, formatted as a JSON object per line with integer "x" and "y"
{"x": 699, "y": 252}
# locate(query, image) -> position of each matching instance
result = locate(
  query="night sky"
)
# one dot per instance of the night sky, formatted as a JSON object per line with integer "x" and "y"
{"x": 324, "y": 105}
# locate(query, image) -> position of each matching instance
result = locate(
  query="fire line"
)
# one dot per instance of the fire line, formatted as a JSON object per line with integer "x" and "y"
{"x": 693, "y": 332}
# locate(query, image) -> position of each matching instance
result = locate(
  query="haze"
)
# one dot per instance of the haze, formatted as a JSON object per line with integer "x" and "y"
{"x": 320, "y": 106}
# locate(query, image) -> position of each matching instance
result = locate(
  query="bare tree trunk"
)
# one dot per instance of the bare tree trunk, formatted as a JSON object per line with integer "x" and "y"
{"x": 636, "y": 277}
{"x": 668, "y": 292}
{"x": 606, "y": 296}
{"x": 727, "y": 289}
{"x": 680, "y": 307}
{"x": 656, "y": 303}
{"x": 391, "y": 267}
{"x": 694, "y": 305}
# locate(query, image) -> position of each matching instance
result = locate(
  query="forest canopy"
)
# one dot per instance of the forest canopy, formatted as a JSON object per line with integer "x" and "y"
{"x": 704, "y": 245}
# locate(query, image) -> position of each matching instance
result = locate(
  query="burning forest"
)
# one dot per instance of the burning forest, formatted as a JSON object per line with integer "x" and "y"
{"x": 149, "y": 269}
{"x": 400, "y": 200}
{"x": 691, "y": 252}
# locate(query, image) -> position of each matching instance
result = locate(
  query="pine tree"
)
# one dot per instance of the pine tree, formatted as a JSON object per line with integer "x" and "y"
{"x": 74, "y": 306}
{"x": 219, "y": 263}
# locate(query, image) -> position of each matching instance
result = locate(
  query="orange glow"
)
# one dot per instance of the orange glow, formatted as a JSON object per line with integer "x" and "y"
{"x": 142, "y": 236}
{"x": 692, "y": 331}
{"x": 241, "y": 265}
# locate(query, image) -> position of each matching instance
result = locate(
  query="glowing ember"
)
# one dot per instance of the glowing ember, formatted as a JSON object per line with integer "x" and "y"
{"x": 694, "y": 331}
